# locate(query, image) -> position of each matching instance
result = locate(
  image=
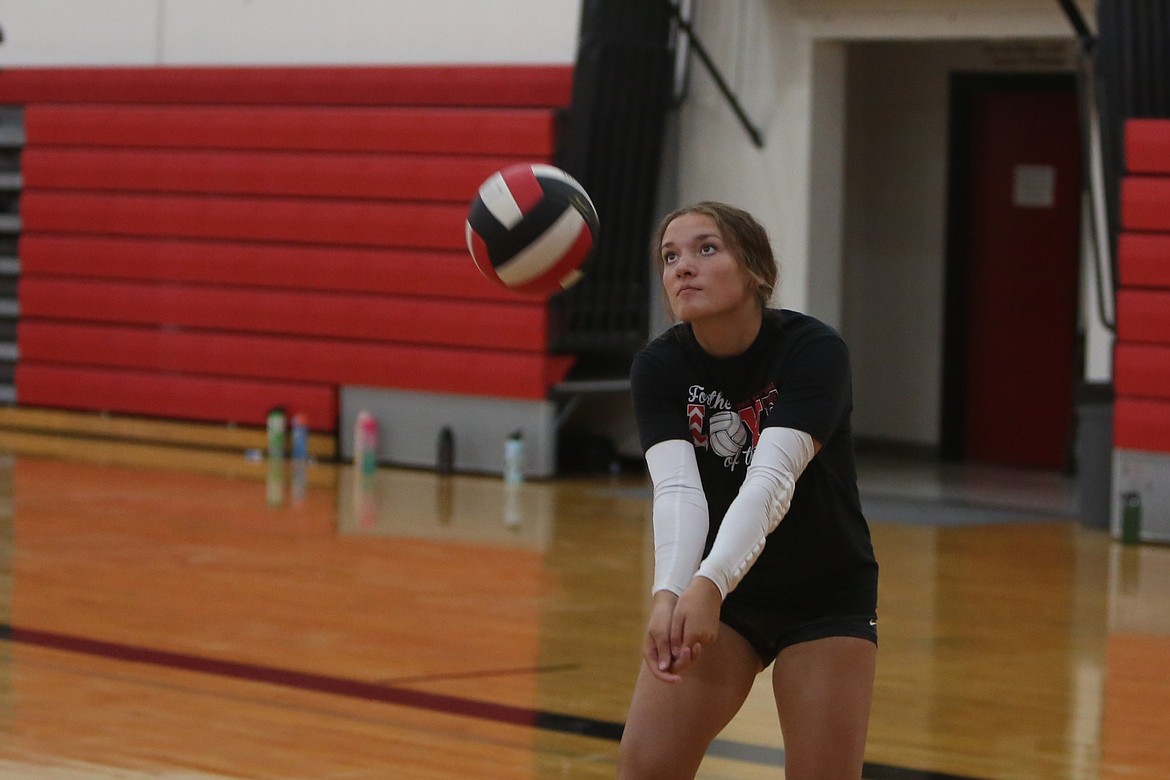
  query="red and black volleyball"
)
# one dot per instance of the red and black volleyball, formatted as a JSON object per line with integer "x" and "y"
{"x": 531, "y": 227}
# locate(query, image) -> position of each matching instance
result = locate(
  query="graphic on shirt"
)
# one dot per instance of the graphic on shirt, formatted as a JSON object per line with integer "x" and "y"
{"x": 695, "y": 423}
{"x": 732, "y": 430}
{"x": 727, "y": 433}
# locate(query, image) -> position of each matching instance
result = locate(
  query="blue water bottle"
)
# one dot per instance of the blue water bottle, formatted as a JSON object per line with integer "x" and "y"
{"x": 300, "y": 437}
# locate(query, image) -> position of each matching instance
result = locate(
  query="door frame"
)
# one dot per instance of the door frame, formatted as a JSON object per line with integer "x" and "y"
{"x": 963, "y": 86}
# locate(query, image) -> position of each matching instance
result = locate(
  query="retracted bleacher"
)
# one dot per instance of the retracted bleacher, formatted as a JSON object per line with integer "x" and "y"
{"x": 208, "y": 243}
{"x": 1142, "y": 355}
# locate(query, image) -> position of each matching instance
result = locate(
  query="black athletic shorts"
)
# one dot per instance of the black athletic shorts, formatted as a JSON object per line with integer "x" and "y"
{"x": 770, "y": 632}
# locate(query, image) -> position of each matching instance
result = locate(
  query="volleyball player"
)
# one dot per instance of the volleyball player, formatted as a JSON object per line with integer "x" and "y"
{"x": 762, "y": 554}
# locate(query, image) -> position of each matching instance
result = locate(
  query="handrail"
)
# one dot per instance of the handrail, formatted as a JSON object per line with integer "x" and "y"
{"x": 756, "y": 136}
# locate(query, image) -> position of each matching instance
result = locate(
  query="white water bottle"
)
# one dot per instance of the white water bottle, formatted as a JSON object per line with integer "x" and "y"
{"x": 514, "y": 458}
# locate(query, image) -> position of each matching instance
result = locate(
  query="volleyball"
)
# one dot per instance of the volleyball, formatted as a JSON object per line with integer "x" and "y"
{"x": 530, "y": 228}
{"x": 726, "y": 433}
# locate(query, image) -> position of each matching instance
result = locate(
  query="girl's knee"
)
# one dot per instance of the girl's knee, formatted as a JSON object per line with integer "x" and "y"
{"x": 643, "y": 759}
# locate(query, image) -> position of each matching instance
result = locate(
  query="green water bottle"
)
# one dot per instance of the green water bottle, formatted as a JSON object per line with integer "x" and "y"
{"x": 276, "y": 425}
{"x": 1131, "y": 518}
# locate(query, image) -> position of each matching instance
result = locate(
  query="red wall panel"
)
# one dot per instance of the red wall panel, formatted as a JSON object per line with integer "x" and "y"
{"x": 1144, "y": 203}
{"x": 1142, "y": 370}
{"x": 486, "y": 131}
{"x": 1141, "y": 424}
{"x": 504, "y": 374}
{"x": 448, "y": 274}
{"x": 435, "y": 321}
{"x": 197, "y": 238}
{"x": 511, "y": 85}
{"x": 1142, "y": 355}
{"x": 1147, "y": 146}
{"x": 1143, "y": 316}
{"x": 1144, "y": 259}
{"x": 211, "y": 399}
{"x": 391, "y": 177}
{"x": 310, "y": 221}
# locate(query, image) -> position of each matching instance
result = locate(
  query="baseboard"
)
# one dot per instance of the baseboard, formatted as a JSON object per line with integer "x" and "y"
{"x": 30, "y": 427}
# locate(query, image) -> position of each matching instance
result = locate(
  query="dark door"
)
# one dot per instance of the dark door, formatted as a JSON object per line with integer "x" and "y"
{"x": 1013, "y": 249}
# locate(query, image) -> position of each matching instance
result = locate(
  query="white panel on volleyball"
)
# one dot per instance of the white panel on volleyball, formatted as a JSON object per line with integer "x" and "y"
{"x": 410, "y": 424}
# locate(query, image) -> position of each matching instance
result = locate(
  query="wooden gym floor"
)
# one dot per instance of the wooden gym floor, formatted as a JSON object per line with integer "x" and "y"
{"x": 178, "y": 614}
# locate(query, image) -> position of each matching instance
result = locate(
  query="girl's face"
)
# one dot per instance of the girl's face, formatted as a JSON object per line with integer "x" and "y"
{"x": 703, "y": 277}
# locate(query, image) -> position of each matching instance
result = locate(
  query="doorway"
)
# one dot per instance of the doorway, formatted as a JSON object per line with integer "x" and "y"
{"x": 1013, "y": 243}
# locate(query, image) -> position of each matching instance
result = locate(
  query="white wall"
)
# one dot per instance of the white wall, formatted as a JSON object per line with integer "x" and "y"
{"x": 943, "y": 19}
{"x": 896, "y": 194}
{"x": 769, "y": 67}
{"x": 894, "y": 242}
{"x": 786, "y": 60}
{"x": 272, "y": 32}
{"x": 794, "y": 65}
{"x": 827, "y": 183}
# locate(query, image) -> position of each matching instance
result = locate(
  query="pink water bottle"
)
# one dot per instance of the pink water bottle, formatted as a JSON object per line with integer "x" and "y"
{"x": 365, "y": 442}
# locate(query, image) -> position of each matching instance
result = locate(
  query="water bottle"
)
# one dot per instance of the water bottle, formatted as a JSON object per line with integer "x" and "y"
{"x": 1131, "y": 518}
{"x": 276, "y": 422}
{"x": 514, "y": 458}
{"x": 365, "y": 443}
{"x": 445, "y": 454}
{"x": 300, "y": 437}
{"x": 274, "y": 484}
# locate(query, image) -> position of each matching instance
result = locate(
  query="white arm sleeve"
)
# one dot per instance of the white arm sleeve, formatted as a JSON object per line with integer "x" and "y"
{"x": 780, "y": 457}
{"x": 679, "y": 513}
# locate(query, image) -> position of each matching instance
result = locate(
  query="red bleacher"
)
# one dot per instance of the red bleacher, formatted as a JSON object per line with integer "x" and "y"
{"x": 1142, "y": 356}
{"x": 1145, "y": 260}
{"x": 345, "y": 269}
{"x": 453, "y": 85}
{"x": 494, "y": 131}
{"x": 207, "y": 243}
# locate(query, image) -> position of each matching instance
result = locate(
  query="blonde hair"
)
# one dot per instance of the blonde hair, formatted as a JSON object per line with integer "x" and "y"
{"x": 742, "y": 233}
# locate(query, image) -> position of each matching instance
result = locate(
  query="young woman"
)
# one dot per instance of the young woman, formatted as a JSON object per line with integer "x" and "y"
{"x": 762, "y": 555}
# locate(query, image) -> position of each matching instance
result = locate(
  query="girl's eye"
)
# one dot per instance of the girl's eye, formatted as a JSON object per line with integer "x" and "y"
{"x": 669, "y": 257}
{"x": 707, "y": 249}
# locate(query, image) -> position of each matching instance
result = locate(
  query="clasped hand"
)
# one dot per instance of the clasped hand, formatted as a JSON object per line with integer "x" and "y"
{"x": 679, "y": 628}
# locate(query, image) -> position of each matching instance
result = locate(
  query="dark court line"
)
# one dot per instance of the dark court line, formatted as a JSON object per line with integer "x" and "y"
{"x": 388, "y": 694}
{"x": 480, "y": 674}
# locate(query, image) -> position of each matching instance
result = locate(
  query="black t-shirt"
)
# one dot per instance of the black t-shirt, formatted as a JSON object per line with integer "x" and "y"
{"x": 794, "y": 375}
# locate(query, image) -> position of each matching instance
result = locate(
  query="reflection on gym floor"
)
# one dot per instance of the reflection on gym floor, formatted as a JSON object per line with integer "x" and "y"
{"x": 311, "y": 622}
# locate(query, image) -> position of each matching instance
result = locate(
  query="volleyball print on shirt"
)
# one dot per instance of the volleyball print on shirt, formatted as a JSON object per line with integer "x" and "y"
{"x": 729, "y": 431}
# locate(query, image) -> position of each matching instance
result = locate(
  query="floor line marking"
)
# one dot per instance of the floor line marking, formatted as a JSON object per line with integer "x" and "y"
{"x": 435, "y": 702}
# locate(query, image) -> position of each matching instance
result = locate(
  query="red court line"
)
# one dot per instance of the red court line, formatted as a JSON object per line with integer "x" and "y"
{"x": 289, "y": 678}
{"x": 434, "y": 702}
